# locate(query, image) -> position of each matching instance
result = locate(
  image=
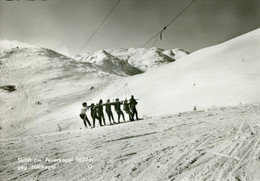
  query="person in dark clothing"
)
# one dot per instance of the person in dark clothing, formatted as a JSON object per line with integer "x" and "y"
{"x": 133, "y": 103}
{"x": 101, "y": 113}
{"x": 109, "y": 112}
{"x": 127, "y": 110}
{"x": 93, "y": 113}
{"x": 83, "y": 114}
{"x": 118, "y": 110}
{"x": 97, "y": 115}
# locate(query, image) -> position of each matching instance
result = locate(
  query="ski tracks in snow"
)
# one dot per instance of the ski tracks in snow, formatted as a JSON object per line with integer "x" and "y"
{"x": 206, "y": 145}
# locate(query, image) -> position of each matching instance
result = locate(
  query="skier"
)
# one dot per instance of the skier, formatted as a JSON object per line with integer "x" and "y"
{"x": 97, "y": 115}
{"x": 118, "y": 110}
{"x": 109, "y": 112}
{"x": 83, "y": 114}
{"x": 133, "y": 103}
{"x": 101, "y": 113}
{"x": 93, "y": 113}
{"x": 127, "y": 110}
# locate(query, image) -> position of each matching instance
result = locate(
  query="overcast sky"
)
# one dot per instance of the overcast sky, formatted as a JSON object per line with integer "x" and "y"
{"x": 65, "y": 25}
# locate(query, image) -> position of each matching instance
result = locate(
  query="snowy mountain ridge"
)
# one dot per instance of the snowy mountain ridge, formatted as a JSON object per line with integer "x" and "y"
{"x": 141, "y": 58}
{"x": 107, "y": 61}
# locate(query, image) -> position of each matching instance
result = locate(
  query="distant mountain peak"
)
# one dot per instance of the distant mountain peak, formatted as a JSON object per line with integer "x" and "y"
{"x": 141, "y": 58}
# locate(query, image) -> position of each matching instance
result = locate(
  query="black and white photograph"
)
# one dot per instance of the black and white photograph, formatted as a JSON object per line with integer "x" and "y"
{"x": 130, "y": 90}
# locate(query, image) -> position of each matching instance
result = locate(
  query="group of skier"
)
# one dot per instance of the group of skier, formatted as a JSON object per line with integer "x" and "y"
{"x": 96, "y": 111}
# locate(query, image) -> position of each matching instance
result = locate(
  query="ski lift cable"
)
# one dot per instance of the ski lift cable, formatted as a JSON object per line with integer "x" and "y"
{"x": 114, "y": 93}
{"x": 117, "y": 93}
{"x": 125, "y": 88}
{"x": 155, "y": 41}
{"x": 128, "y": 89}
{"x": 160, "y": 33}
{"x": 111, "y": 93}
{"x": 123, "y": 93}
{"x": 170, "y": 22}
{"x": 126, "y": 84}
{"x": 110, "y": 12}
{"x": 126, "y": 92}
{"x": 120, "y": 92}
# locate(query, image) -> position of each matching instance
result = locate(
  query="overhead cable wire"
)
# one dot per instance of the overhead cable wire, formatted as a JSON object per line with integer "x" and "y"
{"x": 155, "y": 41}
{"x": 160, "y": 32}
{"x": 110, "y": 12}
{"x": 170, "y": 22}
{"x": 128, "y": 90}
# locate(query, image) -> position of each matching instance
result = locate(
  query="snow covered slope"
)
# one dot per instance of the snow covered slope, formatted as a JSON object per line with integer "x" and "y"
{"x": 41, "y": 93}
{"x": 141, "y": 58}
{"x": 225, "y": 74}
{"x": 41, "y": 87}
{"x": 215, "y": 144}
{"x": 50, "y": 87}
{"x": 47, "y": 84}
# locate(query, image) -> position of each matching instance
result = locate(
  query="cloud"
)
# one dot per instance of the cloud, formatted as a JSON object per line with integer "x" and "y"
{"x": 64, "y": 50}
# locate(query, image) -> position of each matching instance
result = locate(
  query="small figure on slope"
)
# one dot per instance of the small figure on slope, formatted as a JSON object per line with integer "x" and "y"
{"x": 83, "y": 114}
{"x": 127, "y": 110}
{"x": 101, "y": 113}
{"x": 133, "y": 103}
{"x": 109, "y": 112}
{"x": 118, "y": 110}
{"x": 93, "y": 113}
